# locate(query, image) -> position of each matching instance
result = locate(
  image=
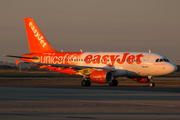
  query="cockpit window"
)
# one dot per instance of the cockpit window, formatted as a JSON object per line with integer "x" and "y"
{"x": 166, "y": 60}
{"x": 162, "y": 60}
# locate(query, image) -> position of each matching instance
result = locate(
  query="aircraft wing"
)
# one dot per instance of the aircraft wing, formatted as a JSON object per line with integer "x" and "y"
{"x": 110, "y": 68}
{"x": 74, "y": 66}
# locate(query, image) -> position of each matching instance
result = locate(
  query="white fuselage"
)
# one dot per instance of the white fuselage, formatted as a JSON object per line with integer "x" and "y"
{"x": 128, "y": 64}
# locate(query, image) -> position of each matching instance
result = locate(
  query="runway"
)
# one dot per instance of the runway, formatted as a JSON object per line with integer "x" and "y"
{"x": 67, "y": 102}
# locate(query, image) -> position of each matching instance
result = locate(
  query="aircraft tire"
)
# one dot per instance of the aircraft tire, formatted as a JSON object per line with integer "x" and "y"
{"x": 113, "y": 83}
{"x": 86, "y": 83}
{"x": 151, "y": 84}
{"x": 83, "y": 83}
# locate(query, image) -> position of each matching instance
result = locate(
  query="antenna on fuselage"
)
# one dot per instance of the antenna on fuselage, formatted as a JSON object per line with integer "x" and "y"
{"x": 81, "y": 50}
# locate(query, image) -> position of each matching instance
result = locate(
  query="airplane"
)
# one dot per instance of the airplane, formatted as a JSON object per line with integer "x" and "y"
{"x": 99, "y": 67}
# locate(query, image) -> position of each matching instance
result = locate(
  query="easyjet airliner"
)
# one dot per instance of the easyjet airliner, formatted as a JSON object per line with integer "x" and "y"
{"x": 100, "y": 67}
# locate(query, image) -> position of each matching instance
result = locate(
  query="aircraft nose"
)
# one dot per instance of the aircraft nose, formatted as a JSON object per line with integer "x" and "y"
{"x": 175, "y": 68}
{"x": 172, "y": 68}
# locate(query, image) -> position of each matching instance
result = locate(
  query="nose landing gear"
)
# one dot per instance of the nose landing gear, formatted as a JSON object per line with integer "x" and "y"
{"x": 151, "y": 84}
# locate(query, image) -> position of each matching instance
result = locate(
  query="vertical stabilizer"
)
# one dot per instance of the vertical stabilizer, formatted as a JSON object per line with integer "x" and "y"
{"x": 37, "y": 41}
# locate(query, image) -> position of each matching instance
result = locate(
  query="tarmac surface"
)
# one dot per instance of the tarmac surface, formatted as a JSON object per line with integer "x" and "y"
{"x": 73, "y": 102}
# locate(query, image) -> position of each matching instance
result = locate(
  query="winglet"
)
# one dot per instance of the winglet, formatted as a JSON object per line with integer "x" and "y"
{"x": 17, "y": 62}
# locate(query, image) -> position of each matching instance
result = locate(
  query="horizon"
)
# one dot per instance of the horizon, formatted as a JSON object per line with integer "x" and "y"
{"x": 93, "y": 26}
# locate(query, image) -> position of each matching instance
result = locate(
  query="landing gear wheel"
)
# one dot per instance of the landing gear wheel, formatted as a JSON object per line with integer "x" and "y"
{"x": 86, "y": 83}
{"x": 151, "y": 84}
{"x": 83, "y": 83}
{"x": 113, "y": 83}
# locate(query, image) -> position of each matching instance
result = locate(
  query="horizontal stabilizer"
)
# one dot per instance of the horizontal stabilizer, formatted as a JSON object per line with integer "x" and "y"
{"x": 17, "y": 62}
{"x": 21, "y": 57}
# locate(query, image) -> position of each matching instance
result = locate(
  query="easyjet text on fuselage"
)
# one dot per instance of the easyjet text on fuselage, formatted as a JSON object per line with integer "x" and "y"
{"x": 91, "y": 59}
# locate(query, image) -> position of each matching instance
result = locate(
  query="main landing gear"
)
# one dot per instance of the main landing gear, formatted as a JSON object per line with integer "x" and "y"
{"x": 113, "y": 82}
{"x": 86, "y": 83}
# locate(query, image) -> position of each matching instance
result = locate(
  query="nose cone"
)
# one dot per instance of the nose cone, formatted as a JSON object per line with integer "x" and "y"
{"x": 175, "y": 68}
{"x": 172, "y": 68}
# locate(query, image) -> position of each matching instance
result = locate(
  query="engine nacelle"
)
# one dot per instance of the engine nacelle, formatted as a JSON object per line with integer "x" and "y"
{"x": 141, "y": 80}
{"x": 101, "y": 76}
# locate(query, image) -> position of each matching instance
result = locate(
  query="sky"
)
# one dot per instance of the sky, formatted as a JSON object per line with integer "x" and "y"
{"x": 93, "y": 25}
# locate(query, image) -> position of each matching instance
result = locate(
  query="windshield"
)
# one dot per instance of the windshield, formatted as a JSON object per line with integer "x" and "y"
{"x": 162, "y": 60}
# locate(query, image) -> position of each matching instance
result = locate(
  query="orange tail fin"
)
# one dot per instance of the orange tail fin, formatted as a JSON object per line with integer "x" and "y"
{"x": 37, "y": 41}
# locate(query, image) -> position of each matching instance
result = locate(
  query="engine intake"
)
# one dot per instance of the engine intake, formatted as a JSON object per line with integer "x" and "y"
{"x": 101, "y": 76}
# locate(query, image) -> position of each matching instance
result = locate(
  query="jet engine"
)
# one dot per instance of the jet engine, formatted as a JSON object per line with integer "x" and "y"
{"x": 101, "y": 76}
{"x": 141, "y": 80}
